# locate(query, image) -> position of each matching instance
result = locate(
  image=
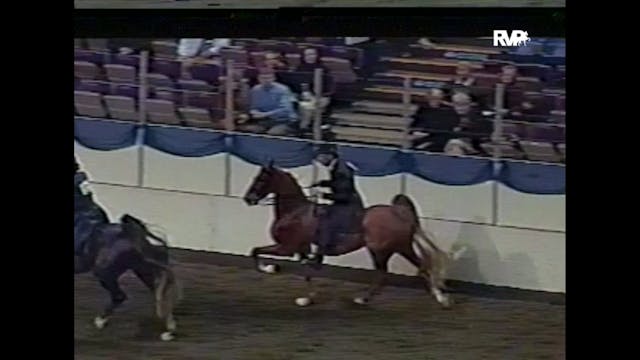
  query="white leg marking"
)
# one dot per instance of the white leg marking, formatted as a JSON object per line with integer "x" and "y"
{"x": 360, "y": 301}
{"x": 303, "y": 301}
{"x": 167, "y": 336}
{"x": 100, "y": 322}
{"x": 269, "y": 269}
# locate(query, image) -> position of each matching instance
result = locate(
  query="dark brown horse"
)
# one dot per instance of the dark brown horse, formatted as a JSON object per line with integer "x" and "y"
{"x": 387, "y": 229}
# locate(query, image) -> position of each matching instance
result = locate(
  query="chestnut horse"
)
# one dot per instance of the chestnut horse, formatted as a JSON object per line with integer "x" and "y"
{"x": 386, "y": 230}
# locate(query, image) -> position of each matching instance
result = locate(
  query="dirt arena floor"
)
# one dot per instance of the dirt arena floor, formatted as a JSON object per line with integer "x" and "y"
{"x": 164, "y": 4}
{"x": 234, "y": 313}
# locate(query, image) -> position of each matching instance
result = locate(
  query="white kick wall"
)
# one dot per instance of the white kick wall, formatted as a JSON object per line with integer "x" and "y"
{"x": 513, "y": 239}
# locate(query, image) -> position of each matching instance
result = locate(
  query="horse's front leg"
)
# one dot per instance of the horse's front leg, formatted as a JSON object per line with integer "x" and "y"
{"x": 273, "y": 250}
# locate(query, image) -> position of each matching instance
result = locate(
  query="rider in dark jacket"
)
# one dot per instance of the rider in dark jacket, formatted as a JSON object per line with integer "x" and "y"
{"x": 343, "y": 215}
{"x": 87, "y": 214}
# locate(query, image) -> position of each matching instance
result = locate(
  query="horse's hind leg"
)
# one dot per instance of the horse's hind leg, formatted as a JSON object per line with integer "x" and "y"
{"x": 109, "y": 281}
{"x": 158, "y": 284}
{"x": 423, "y": 266}
{"x": 381, "y": 262}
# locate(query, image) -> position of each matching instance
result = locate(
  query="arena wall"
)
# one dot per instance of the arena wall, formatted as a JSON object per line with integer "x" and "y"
{"x": 513, "y": 239}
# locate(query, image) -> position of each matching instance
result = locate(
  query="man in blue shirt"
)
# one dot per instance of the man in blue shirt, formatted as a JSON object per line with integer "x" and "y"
{"x": 271, "y": 106}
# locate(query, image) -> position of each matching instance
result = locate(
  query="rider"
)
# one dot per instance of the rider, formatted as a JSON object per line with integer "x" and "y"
{"x": 342, "y": 216}
{"x": 87, "y": 214}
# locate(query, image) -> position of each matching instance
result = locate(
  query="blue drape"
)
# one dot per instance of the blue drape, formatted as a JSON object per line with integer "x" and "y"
{"x": 533, "y": 178}
{"x": 447, "y": 170}
{"x": 441, "y": 169}
{"x": 184, "y": 142}
{"x": 372, "y": 162}
{"x": 284, "y": 153}
{"x": 104, "y": 135}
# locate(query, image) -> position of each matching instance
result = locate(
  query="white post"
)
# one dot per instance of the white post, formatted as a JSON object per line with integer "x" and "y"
{"x": 143, "y": 92}
{"x": 406, "y": 143}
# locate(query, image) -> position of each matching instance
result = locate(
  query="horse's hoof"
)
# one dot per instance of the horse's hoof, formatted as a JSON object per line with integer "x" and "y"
{"x": 361, "y": 301}
{"x": 167, "y": 336}
{"x": 269, "y": 269}
{"x": 303, "y": 301}
{"x": 100, "y": 322}
{"x": 446, "y": 302}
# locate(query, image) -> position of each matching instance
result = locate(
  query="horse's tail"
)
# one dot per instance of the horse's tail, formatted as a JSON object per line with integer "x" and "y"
{"x": 406, "y": 202}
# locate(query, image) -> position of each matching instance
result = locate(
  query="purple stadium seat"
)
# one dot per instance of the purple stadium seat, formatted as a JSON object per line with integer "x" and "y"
{"x": 545, "y": 133}
{"x": 196, "y": 117}
{"x": 170, "y": 68}
{"x": 89, "y": 56}
{"x": 561, "y": 149}
{"x": 239, "y": 56}
{"x": 97, "y": 44}
{"x": 122, "y": 107}
{"x": 204, "y": 100}
{"x": 159, "y": 81}
{"x": 207, "y": 72}
{"x": 89, "y": 104}
{"x": 340, "y": 69}
{"x": 94, "y": 86}
{"x": 506, "y": 150}
{"x": 354, "y": 55}
{"x": 535, "y": 70}
{"x": 129, "y": 60}
{"x": 168, "y": 94}
{"x": 125, "y": 90}
{"x": 120, "y": 73}
{"x": 164, "y": 49}
{"x": 257, "y": 59}
{"x": 194, "y": 85}
{"x": 162, "y": 112}
{"x": 560, "y": 103}
{"x": 85, "y": 70}
{"x": 539, "y": 151}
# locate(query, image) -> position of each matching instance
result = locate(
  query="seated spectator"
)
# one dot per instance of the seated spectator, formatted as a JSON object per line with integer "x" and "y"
{"x": 472, "y": 129}
{"x": 129, "y": 46}
{"x": 194, "y": 48}
{"x": 271, "y": 107}
{"x": 529, "y": 110}
{"x": 463, "y": 75}
{"x": 513, "y": 90}
{"x": 433, "y": 124}
{"x": 310, "y": 62}
{"x": 275, "y": 61}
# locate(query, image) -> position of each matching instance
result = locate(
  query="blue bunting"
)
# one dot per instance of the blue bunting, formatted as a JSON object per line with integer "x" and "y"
{"x": 104, "y": 135}
{"x": 441, "y": 169}
{"x": 372, "y": 162}
{"x": 184, "y": 142}
{"x": 533, "y": 178}
{"x": 448, "y": 170}
{"x": 260, "y": 150}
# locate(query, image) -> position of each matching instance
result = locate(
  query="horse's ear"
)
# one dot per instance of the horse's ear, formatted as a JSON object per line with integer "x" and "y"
{"x": 270, "y": 165}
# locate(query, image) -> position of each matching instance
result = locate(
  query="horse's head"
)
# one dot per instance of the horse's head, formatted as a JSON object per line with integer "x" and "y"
{"x": 263, "y": 184}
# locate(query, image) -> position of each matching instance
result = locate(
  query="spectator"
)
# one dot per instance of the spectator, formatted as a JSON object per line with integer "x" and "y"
{"x": 310, "y": 62}
{"x": 193, "y": 48}
{"x": 271, "y": 106}
{"x": 529, "y": 110}
{"x": 463, "y": 76}
{"x": 275, "y": 61}
{"x": 129, "y": 46}
{"x": 472, "y": 129}
{"x": 433, "y": 124}
{"x": 513, "y": 90}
